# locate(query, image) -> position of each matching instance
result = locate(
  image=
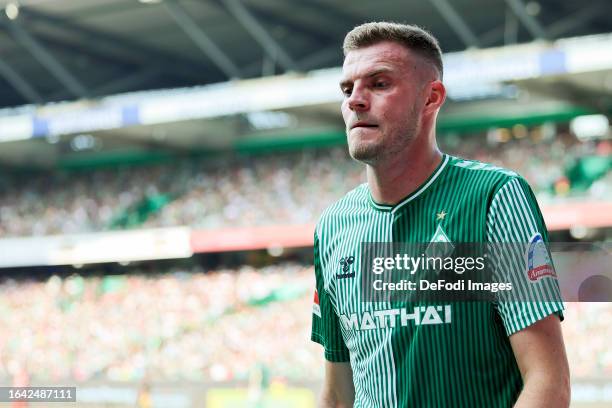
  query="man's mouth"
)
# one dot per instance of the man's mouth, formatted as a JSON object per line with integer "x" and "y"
{"x": 363, "y": 125}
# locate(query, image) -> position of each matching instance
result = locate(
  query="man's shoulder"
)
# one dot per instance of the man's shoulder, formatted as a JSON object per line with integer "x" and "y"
{"x": 484, "y": 175}
{"x": 352, "y": 202}
{"x": 470, "y": 165}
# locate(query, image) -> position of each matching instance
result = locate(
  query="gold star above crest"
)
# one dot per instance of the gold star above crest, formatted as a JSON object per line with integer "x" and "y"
{"x": 441, "y": 215}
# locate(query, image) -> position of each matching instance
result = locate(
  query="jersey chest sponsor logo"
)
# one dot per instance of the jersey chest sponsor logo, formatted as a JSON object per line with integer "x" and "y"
{"x": 537, "y": 259}
{"x": 391, "y": 318}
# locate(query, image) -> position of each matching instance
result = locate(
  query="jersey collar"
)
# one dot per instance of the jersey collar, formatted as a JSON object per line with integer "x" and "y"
{"x": 415, "y": 193}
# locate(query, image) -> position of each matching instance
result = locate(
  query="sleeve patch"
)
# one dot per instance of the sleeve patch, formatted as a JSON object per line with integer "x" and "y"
{"x": 538, "y": 262}
{"x": 316, "y": 309}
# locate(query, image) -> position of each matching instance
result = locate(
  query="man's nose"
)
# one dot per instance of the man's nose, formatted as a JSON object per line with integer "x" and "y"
{"x": 358, "y": 101}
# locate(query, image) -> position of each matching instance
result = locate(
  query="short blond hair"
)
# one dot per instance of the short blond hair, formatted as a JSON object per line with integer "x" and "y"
{"x": 410, "y": 36}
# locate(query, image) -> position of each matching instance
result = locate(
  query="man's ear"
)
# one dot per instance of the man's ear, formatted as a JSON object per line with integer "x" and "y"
{"x": 436, "y": 95}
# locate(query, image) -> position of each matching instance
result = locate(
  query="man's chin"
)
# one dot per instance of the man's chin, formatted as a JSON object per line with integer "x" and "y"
{"x": 364, "y": 153}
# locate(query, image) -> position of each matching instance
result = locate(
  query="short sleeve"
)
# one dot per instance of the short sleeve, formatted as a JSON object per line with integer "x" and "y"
{"x": 517, "y": 240}
{"x": 325, "y": 323}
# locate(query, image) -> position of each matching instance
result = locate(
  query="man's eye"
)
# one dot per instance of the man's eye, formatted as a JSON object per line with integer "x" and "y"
{"x": 380, "y": 84}
{"x": 347, "y": 91}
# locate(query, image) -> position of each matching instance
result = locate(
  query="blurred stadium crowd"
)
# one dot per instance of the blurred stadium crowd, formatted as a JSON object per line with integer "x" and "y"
{"x": 175, "y": 326}
{"x": 277, "y": 189}
{"x": 194, "y": 326}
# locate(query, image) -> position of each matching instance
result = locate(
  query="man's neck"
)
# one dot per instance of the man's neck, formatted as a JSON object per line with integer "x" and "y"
{"x": 395, "y": 179}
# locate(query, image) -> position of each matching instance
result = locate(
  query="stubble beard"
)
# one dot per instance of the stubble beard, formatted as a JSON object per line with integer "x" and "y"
{"x": 387, "y": 145}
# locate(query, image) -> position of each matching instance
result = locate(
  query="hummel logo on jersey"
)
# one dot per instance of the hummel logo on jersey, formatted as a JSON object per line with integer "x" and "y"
{"x": 381, "y": 319}
{"x": 346, "y": 267}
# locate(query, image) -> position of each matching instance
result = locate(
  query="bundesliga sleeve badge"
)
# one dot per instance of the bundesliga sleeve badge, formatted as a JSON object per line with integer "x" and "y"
{"x": 539, "y": 264}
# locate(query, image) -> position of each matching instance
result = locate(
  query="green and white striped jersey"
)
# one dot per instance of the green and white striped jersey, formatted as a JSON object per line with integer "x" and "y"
{"x": 428, "y": 355}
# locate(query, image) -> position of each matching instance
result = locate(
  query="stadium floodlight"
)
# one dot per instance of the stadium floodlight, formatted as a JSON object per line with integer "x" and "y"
{"x": 12, "y": 10}
{"x": 590, "y": 127}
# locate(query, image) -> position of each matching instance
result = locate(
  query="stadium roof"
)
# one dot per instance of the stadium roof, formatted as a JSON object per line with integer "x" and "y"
{"x": 52, "y": 50}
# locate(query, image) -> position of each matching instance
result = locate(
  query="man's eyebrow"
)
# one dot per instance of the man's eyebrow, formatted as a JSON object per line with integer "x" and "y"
{"x": 345, "y": 83}
{"x": 370, "y": 74}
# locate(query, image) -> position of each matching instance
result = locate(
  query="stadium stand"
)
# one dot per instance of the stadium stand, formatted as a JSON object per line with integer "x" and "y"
{"x": 212, "y": 326}
{"x": 274, "y": 189}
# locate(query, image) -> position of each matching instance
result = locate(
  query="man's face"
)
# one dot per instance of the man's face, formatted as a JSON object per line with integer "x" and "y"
{"x": 383, "y": 98}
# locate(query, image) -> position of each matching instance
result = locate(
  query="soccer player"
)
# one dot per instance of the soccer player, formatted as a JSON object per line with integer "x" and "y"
{"x": 462, "y": 354}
